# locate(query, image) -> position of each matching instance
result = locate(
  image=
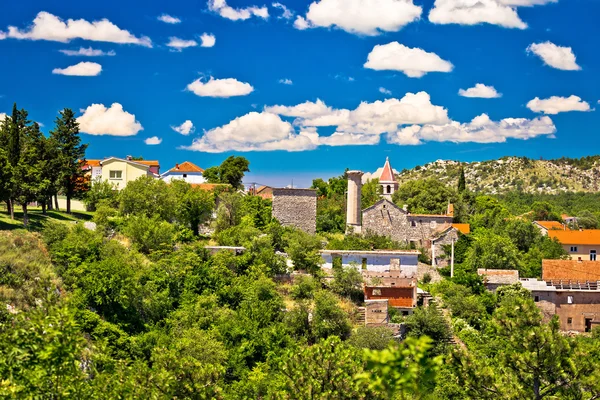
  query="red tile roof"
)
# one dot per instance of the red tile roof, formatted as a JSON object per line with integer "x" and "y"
{"x": 186, "y": 166}
{"x": 208, "y": 186}
{"x": 92, "y": 163}
{"x": 570, "y": 270}
{"x": 582, "y": 237}
{"x": 387, "y": 175}
{"x": 150, "y": 163}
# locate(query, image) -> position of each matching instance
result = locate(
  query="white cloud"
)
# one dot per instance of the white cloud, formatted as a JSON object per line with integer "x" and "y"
{"x": 180, "y": 44}
{"x": 84, "y": 68}
{"x": 169, "y": 19}
{"x": 307, "y": 109}
{"x": 208, "y": 40}
{"x": 556, "y": 104}
{"x": 474, "y": 12}
{"x": 185, "y": 129}
{"x": 349, "y": 139}
{"x": 256, "y": 132}
{"x": 221, "y": 7}
{"x": 99, "y": 120}
{"x": 480, "y": 130}
{"x": 154, "y": 140}
{"x": 480, "y": 90}
{"x": 555, "y": 56}
{"x": 220, "y": 88}
{"x": 46, "y": 26}
{"x": 361, "y": 17}
{"x": 286, "y": 81}
{"x": 286, "y": 12}
{"x": 88, "y": 52}
{"x": 385, "y": 91}
{"x": 526, "y": 3}
{"x": 414, "y": 62}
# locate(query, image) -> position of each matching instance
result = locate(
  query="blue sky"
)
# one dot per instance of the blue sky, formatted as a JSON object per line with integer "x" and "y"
{"x": 404, "y": 60}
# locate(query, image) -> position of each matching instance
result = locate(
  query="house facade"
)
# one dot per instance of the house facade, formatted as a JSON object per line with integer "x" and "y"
{"x": 119, "y": 172}
{"x": 402, "y": 263}
{"x": 581, "y": 244}
{"x": 186, "y": 171}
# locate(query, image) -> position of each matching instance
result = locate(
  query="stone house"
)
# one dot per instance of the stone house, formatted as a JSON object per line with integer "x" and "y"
{"x": 296, "y": 207}
{"x": 402, "y": 263}
{"x": 446, "y": 235}
{"x": 495, "y": 278}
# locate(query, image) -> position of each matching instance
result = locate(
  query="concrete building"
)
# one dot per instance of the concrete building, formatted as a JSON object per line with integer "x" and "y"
{"x": 186, "y": 171}
{"x": 296, "y": 207}
{"x": 120, "y": 172}
{"x": 353, "y": 205}
{"x": 581, "y": 244}
{"x": 404, "y": 262}
{"x": 495, "y": 278}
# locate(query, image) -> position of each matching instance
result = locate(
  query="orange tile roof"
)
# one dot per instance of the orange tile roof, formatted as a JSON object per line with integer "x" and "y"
{"x": 92, "y": 163}
{"x": 150, "y": 163}
{"x": 186, "y": 166}
{"x": 208, "y": 186}
{"x": 582, "y": 237}
{"x": 550, "y": 224}
{"x": 387, "y": 175}
{"x": 570, "y": 270}
{"x": 463, "y": 228}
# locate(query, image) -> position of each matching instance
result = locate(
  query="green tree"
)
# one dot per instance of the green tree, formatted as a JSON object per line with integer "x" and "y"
{"x": 229, "y": 211}
{"x": 231, "y": 171}
{"x": 372, "y": 338}
{"x": 347, "y": 282}
{"x": 424, "y": 196}
{"x": 492, "y": 251}
{"x": 71, "y": 153}
{"x": 100, "y": 190}
{"x": 149, "y": 234}
{"x": 194, "y": 206}
{"x": 148, "y": 196}
{"x": 328, "y": 317}
{"x": 303, "y": 250}
{"x": 462, "y": 182}
{"x": 429, "y": 321}
{"x": 370, "y": 193}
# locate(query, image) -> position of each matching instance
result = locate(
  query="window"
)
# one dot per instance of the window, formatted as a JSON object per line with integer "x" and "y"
{"x": 592, "y": 255}
{"x": 570, "y": 299}
{"x": 389, "y": 189}
{"x": 536, "y": 298}
{"x": 376, "y": 292}
{"x": 185, "y": 175}
{"x": 364, "y": 263}
{"x": 116, "y": 174}
{"x": 573, "y": 249}
{"x": 569, "y": 320}
{"x": 413, "y": 223}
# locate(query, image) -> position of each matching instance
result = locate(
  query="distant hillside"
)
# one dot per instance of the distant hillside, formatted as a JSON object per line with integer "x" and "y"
{"x": 515, "y": 173}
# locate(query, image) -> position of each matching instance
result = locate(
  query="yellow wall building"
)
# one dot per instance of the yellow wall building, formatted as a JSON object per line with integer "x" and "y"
{"x": 120, "y": 172}
{"x": 580, "y": 244}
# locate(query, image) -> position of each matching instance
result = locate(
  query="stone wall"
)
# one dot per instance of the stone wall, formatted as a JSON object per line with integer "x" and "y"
{"x": 585, "y": 305}
{"x": 387, "y": 219}
{"x": 296, "y": 207}
{"x": 441, "y": 258}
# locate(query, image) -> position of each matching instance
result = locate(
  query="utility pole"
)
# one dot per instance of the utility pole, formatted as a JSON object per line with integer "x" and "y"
{"x": 452, "y": 261}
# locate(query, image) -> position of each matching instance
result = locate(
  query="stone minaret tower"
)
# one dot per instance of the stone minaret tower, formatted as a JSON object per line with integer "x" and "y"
{"x": 387, "y": 181}
{"x": 353, "y": 207}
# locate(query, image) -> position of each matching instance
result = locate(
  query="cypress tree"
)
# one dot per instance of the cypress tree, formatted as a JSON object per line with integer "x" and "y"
{"x": 462, "y": 182}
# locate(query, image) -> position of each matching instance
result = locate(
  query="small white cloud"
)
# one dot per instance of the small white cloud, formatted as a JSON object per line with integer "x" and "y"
{"x": 286, "y": 12}
{"x": 229, "y": 87}
{"x": 169, "y": 19}
{"x": 99, "y": 120}
{"x": 208, "y": 40}
{"x": 84, "y": 68}
{"x": 221, "y": 8}
{"x": 286, "y": 81}
{"x": 557, "y": 104}
{"x": 555, "y": 56}
{"x": 185, "y": 128}
{"x": 385, "y": 91}
{"x": 474, "y": 12}
{"x": 361, "y": 17}
{"x": 46, "y": 26}
{"x": 88, "y": 52}
{"x": 152, "y": 141}
{"x": 480, "y": 90}
{"x": 305, "y": 110}
{"x": 179, "y": 44}
{"x": 414, "y": 62}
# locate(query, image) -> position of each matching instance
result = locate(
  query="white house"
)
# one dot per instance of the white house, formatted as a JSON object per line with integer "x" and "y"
{"x": 402, "y": 261}
{"x": 186, "y": 171}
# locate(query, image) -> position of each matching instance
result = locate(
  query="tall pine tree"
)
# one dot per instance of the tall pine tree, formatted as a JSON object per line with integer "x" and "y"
{"x": 29, "y": 169}
{"x": 5, "y": 167}
{"x": 71, "y": 154}
{"x": 15, "y": 129}
{"x": 462, "y": 182}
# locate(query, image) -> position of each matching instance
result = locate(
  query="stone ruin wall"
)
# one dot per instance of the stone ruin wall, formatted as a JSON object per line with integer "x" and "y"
{"x": 296, "y": 207}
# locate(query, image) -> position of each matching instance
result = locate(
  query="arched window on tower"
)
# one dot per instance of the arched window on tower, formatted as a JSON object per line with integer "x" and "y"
{"x": 389, "y": 189}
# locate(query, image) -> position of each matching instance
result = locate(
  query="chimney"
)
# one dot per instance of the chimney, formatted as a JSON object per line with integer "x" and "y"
{"x": 176, "y": 166}
{"x": 353, "y": 203}
{"x": 128, "y": 158}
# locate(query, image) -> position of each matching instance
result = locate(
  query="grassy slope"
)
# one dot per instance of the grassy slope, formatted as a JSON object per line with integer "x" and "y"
{"x": 36, "y": 218}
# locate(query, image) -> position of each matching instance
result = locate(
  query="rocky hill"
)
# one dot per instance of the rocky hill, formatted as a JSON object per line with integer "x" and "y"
{"x": 515, "y": 173}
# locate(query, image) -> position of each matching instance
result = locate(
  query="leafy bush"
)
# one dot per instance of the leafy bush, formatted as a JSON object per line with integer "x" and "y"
{"x": 149, "y": 234}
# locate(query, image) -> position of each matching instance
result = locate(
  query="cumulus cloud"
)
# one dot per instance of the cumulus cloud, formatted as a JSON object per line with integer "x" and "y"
{"x": 88, "y": 52}
{"x": 255, "y": 132}
{"x": 178, "y": 44}
{"x": 286, "y": 13}
{"x": 154, "y": 140}
{"x": 235, "y": 14}
{"x": 208, "y": 40}
{"x": 169, "y": 19}
{"x": 555, "y": 56}
{"x": 349, "y": 139}
{"x": 307, "y": 109}
{"x": 185, "y": 128}
{"x": 229, "y": 87}
{"x": 99, "y": 120}
{"x": 557, "y": 104}
{"x": 286, "y": 81}
{"x": 361, "y": 17}
{"x": 480, "y": 90}
{"x": 474, "y": 12}
{"x": 84, "y": 68}
{"x": 413, "y": 62}
{"x": 385, "y": 91}
{"x": 480, "y": 130}
{"x": 46, "y": 26}
{"x": 526, "y": 3}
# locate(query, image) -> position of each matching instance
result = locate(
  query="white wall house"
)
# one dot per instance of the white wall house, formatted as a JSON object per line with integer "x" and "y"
{"x": 186, "y": 171}
{"x": 402, "y": 261}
